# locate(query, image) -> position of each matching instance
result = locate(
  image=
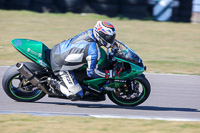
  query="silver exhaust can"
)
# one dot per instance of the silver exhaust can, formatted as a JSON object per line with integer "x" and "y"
{"x": 29, "y": 75}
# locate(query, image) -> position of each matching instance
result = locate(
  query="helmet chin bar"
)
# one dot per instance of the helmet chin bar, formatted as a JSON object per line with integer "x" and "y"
{"x": 104, "y": 42}
{"x": 108, "y": 45}
{"x": 101, "y": 41}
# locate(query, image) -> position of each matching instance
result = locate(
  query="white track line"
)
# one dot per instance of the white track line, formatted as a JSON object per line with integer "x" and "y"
{"x": 97, "y": 116}
{"x": 144, "y": 118}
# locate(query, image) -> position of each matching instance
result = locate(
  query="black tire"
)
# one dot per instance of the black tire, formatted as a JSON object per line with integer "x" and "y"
{"x": 135, "y": 101}
{"x": 184, "y": 19}
{"x": 108, "y": 9}
{"x": 18, "y": 4}
{"x": 42, "y": 7}
{"x": 43, "y": 1}
{"x": 185, "y": 13}
{"x": 185, "y": 4}
{"x": 134, "y": 11}
{"x": 87, "y": 8}
{"x": 2, "y": 4}
{"x": 135, "y": 2}
{"x": 14, "y": 92}
{"x": 106, "y": 1}
{"x": 70, "y": 5}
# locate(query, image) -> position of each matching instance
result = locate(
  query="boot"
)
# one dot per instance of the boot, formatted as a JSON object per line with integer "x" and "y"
{"x": 77, "y": 96}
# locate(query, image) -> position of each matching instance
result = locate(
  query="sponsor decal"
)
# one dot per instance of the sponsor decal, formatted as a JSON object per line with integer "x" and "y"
{"x": 68, "y": 78}
{"x": 109, "y": 88}
{"x": 121, "y": 81}
{"x": 42, "y": 63}
{"x": 34, "y": 53}
{"x": 18, "y": 43}
{"x": 28, "y": 50}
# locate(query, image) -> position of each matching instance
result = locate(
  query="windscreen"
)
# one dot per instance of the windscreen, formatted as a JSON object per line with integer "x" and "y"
{"x": 128, "y": 54}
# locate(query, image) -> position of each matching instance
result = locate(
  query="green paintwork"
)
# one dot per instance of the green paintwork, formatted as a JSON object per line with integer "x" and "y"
{"x": 94, "y": 83}
{"x": 34, "y": 50}
{"x": 103, "y": 56}
{"x": 136, "y": 71}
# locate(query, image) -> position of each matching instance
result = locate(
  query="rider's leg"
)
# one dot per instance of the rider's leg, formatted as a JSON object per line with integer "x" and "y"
{"x": 69, "y": 85}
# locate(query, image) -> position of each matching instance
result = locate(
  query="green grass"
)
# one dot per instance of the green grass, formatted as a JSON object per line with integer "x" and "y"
{"x": 58, "y": 124}
{"x": 164, "y": 47}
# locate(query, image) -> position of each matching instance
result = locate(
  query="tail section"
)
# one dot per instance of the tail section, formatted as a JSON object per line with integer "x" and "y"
{"x": 34, "y": 50}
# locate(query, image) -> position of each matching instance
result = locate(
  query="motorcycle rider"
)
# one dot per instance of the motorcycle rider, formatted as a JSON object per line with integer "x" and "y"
{"x": 77, "y": 51}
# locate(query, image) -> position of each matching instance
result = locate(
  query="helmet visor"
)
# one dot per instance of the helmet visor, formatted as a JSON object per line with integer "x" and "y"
{"x": 106, "y": 43}
{"x": 110, "y": 38}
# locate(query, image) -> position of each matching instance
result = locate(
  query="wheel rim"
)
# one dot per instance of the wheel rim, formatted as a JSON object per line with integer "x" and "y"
{"x": 14, "y": 89}
{"x": 134, "y": 100}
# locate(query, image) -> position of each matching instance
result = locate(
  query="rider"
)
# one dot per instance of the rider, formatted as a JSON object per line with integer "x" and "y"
{"x": 77, "y": 51}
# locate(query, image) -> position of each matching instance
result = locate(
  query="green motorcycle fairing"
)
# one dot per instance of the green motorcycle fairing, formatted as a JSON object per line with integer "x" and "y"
{"x": 135, "y": 71}
{"x": 96, "y": 83}
{"x": 34, "y": 50}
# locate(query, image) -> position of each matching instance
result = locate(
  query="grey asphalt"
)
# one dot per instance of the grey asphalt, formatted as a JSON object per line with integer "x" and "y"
{"x": 172, "y": 96}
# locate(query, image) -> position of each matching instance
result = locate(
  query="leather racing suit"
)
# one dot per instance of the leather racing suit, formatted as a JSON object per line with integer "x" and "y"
{"x": 72, "y": 54}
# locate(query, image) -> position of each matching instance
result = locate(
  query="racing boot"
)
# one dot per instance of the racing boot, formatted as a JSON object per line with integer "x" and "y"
{"x": 70, "y": 86}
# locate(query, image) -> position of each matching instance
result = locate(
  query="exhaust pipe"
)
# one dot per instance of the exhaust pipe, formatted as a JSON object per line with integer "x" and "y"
{"x": 28, "y": 74}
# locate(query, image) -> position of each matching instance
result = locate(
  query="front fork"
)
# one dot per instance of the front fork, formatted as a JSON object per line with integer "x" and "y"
{"x": 129, "y": 87}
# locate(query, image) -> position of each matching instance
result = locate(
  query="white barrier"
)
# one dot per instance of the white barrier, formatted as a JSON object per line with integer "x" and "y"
{"x": 162, "y": 10}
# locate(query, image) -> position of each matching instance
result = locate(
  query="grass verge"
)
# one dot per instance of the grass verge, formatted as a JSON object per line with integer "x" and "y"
{"x": 56, "y": 124}
{"x": 164, "y": 47}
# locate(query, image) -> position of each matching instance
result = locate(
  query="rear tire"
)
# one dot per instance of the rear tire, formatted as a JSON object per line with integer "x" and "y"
{"x": 134, "y": 101}
{"x": 11, "y": 82}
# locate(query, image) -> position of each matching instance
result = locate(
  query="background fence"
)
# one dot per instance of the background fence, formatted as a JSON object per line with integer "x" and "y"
{"x": 137, "y": 9}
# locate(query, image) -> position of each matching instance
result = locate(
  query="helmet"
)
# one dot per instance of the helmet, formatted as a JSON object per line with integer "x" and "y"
{"x": 105, "y": 33}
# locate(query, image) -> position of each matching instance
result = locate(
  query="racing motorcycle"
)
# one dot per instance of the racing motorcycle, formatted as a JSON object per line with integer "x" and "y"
{"x": 28, "y": 81}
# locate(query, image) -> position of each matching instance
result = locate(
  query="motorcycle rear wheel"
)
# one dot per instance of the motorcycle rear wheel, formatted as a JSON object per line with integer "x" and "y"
{"x": 144, "y": 93}
{"x": 13, "y": 87}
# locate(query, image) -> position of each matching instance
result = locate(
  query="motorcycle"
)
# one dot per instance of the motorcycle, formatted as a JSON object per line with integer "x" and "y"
{"x": 28, "y": 81}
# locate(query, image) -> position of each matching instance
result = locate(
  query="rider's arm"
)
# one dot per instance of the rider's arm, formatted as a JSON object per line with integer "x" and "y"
{"x": 92, "y": 60}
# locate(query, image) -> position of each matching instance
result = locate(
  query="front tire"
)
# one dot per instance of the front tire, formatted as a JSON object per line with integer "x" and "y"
{"x": 142, "y": 96}
{"x": 13, "y": 87}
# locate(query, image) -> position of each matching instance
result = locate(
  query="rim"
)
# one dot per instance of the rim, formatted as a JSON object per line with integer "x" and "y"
{"x": 15, "y": 85}
{"x": 133, "y": 98}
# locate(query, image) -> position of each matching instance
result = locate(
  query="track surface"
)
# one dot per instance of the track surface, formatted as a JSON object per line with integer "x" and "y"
{"x": 172, "y": 96}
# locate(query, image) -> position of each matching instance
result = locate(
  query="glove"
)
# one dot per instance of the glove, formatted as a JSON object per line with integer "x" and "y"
{"x": 115, "y": 45}
{"x": 117, "y": 68}
{"x": 110, "y": 73}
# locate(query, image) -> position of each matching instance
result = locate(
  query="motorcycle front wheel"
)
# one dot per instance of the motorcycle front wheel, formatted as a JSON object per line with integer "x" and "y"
{"x": 18, "y": 88}
{"x": 133, "y": 94}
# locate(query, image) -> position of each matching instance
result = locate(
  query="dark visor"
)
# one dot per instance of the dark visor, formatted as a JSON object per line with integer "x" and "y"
{"x": 110, "y": 39}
